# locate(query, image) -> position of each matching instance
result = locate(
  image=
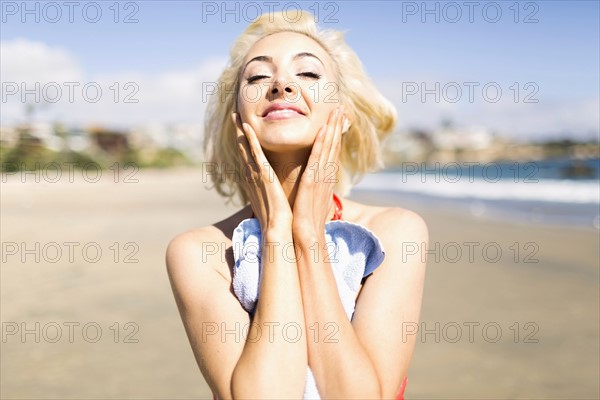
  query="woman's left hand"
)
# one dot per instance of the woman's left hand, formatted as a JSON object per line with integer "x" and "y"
{"x": 314, "y": 198}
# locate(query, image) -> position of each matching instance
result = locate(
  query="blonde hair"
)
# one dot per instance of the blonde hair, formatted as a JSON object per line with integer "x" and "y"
{"x": 371, "y": 114}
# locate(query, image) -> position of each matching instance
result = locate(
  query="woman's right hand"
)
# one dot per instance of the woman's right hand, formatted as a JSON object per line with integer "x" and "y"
{"x": 267, "y": 198}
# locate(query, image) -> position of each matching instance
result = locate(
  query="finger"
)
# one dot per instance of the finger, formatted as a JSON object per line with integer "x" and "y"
{"x": 333, "y": 123}
{"x": 248, "y": 167}
{"x": 337, "y": 140}
{"x": 320, "y": 143}
{"x": 315, "y": 155}
{"x": 239, "y": 133}
{"x": 317, "y": 148}
{"x": 336, "y": 147}
{"x": 340, "y": 118}
{"x": 329, "y": 130}
{"x": 331, "y": 165}
{"x": 242, "y": 141}
{"x": 255, "y": 147}
{"x": 237, "y": 121}
{"x": 324, "y": 165}
{"x": 265, "y": 169}
{"x": 332, "y": 128}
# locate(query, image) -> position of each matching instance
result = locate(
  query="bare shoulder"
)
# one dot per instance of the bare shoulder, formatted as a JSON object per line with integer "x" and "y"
{"x": 194, "y": 249}
{"x": 393, "y": 223}
{"x": 194, "y": 266}
{"x": 203, "y": 250}
{"x": 192, "y": 240}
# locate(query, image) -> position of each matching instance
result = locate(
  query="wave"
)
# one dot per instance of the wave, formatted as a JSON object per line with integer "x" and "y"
{"x": 545, "y": 190}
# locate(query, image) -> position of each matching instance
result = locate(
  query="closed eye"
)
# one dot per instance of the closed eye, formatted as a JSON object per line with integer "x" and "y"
{"x": 312, "y": 75}
{"x": 256, "y": 78}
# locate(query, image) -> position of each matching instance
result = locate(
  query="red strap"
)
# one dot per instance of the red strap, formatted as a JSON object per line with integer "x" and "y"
{"x": 400, "y": 394}
{"x": 338, "y": 208}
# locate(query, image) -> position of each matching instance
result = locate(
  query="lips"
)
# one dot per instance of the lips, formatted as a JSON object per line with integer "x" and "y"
{"x": 282, "y": 110}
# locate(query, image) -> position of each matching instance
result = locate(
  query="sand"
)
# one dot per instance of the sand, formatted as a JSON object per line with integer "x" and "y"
{"x": 492, "y": 326}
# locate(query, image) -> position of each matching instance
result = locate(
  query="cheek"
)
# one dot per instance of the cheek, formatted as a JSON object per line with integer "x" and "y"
{"x": 247, "y": 99}
{"x": 323, "y": 100}
{"x": 325, "y": 92}
{"x": 321, "y": 113}
{"x": 251, "y": 94}
{"x": 320, "y": 117}
{"x": 245, "y": 111}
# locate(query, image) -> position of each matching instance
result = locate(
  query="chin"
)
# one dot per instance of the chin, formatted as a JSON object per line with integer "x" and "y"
{"x": 282, "y": 146}
{"x": 286, "y": 138}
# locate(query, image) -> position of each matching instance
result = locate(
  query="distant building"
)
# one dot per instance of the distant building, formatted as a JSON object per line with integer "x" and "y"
{"x": 112, "y": 142}
{"x": 472, "y": 138}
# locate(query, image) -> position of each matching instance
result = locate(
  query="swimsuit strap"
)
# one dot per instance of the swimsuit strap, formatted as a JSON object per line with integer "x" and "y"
{"x": 338, "y": 208}
{"x": 337, "y": 215}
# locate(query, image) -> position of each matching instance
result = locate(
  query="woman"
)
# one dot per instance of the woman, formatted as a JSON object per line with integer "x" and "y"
{"x": 313, "y": 309}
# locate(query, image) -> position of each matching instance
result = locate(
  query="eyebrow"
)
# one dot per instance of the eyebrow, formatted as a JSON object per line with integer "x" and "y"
{"x": 296, "y": 57}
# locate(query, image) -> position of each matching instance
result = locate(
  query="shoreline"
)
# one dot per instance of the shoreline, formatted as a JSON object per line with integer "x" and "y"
{"x": 482, "y": 210}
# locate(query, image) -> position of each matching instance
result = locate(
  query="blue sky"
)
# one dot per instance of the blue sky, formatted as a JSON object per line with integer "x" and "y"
{"x": 558, "y": 51}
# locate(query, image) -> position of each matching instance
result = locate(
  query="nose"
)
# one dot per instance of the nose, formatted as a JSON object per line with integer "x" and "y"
{"x": 283, "y": 89}
{"x": 288, "y": 88}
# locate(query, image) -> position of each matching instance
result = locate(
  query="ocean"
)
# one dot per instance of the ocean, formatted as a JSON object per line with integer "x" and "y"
{"x": 555, "y": 191}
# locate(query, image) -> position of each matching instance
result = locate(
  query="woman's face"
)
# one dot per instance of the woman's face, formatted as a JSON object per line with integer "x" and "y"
{"x": 288, "y": 87}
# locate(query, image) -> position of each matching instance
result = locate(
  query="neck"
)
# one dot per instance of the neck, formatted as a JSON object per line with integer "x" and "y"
{"x": 288, "y": 168}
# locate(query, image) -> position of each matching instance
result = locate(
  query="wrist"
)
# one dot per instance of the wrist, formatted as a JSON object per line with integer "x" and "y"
{"x": 307, "y": 236}
{"x": 305, "y": 228}
{"x": 277, "y": 229}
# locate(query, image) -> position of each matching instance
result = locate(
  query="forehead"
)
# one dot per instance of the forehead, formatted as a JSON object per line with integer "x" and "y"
{"x": 285, "y": 45}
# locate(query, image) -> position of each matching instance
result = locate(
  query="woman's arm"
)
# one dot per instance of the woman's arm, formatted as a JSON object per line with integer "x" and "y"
{"x": 245, "y": 360}
{"x": 389, "y": 305}
{"x": 267, "y": 365}
{"x": 339, "y": 362}
{"x": 369, "y": 356}
{"x": 274, "y": 361}
{"x": 208, "y": 309}
{"x": 272, "y": 365}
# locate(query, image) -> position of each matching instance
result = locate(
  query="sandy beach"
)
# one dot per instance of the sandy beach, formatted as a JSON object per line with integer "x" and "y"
{"x": 510, "y": 310}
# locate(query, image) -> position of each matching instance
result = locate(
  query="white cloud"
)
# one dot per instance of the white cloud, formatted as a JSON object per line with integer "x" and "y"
{"x": 516, "y": 119}
{"x": 173, "y": 96}
{"x": 23, "y": 60}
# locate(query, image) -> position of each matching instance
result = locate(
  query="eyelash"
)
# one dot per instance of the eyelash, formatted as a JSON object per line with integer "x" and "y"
{"x": 255, "y": 78}
{"x": 312, "y": 75}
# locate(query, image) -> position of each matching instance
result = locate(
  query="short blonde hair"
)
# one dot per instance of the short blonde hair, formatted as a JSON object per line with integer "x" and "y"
{"x": 371, "y": 114}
